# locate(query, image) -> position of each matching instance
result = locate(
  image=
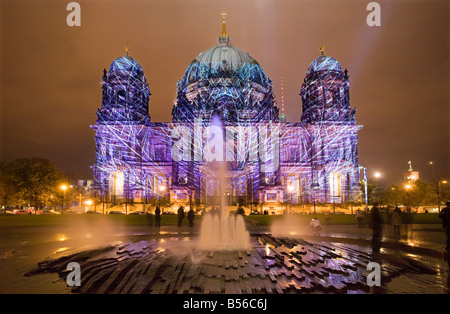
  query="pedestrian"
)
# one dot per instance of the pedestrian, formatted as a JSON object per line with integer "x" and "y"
{"x": 315, "y": 225}
{"x": 445, "y": 216}
{"x": 180, "y": 216}
{"x": 360, "y": 218}
{"x": 396, "y": 220}
{"x": 376, "y": 229}
{"x": 157, "y": 217}
{"x": 240, "y": 211}
{"x": 149, "y": 218}
{"x": 191, "y": 216}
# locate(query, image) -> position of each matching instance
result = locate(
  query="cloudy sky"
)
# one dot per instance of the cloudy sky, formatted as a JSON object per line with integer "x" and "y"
{"x": 50, "y": 72}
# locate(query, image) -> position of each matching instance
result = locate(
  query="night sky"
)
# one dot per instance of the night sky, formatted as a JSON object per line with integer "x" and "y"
{"x": 51, "y": 73}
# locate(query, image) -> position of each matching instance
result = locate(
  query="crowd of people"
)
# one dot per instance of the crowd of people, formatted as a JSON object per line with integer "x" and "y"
{"x": 372, "y": 218}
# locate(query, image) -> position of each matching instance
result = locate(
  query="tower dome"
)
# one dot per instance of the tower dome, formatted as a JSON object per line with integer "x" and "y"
{"x": 125, "y": 93}
{"x": 325, "y": 93}
{"x": 126, "y": 66}
{"x": 324, "y": 63}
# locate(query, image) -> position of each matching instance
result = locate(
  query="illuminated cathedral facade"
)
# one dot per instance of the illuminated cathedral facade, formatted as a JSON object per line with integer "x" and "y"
{"x": 268, "y": 160}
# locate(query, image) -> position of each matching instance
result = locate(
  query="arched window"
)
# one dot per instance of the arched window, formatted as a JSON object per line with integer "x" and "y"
{"x": 121, "y": 96}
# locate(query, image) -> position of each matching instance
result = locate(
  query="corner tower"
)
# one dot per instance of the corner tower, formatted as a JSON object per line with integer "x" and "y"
{"x": 330, "y": 132}
{"x": 121, "y": 131}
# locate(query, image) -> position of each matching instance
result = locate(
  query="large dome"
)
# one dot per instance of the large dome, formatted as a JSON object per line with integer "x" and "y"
{"x": 224, "y": 61}
{"x": 224, "y": 81}
{"x": 324, "y": 63}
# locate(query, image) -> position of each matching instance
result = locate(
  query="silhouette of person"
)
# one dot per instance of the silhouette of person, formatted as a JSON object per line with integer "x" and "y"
{"x": 445, "y": 216}
{"x": 360, "y": 218}
{"x": 180, "y": 216}
{"x": 157, "y": 217}
{"x": 149, "y": 220}
{"x": 240, "y": 211}
{"x": 376, "y": 229}
{"x": 396, "y": 220}
{"x": 191, "y": 216}
{"x": 315, "y": 225}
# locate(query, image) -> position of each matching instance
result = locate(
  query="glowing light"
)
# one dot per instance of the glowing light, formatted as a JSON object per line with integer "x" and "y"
{"x": 61, "y": 237}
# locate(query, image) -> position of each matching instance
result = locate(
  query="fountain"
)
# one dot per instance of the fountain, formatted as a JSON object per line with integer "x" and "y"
{"x": 219, "y": 231}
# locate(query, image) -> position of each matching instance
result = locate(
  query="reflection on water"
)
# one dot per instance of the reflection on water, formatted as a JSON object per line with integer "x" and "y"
{"x": 61, "y": 237}
{"x": 62, "y": 249}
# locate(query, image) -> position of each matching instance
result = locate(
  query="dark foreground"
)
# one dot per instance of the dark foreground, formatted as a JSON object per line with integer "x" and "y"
{"x": 117, "y": 258}
{"x": 274, "y": 265}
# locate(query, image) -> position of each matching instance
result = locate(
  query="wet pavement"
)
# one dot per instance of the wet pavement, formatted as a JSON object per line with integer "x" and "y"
{"x": 22, "y": 248}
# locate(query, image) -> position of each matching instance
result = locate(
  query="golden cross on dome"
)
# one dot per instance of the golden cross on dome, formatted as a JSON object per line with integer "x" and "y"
{"x": 224, "y": 26}
{"x": 322, "y": 48}
{"x": 127, "y": 49}
{"x": 223, "y": 16}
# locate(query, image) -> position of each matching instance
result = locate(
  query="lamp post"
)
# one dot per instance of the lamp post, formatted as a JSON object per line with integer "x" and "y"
{"x": 408, "y": 187}
{"x": 314, "y": 187}
{"x": 439, "y": 193}
{"x": 377, "y": 176}
{"x": 290, "y": 190}
{"x": 365, "y": 187}
{"x": 63, "y": 188}
{"x": 431, "y": 163}
{"x": 161, "y": 190}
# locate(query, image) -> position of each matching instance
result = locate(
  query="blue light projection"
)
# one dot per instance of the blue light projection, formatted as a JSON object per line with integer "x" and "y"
{"x": 269, "y": 161}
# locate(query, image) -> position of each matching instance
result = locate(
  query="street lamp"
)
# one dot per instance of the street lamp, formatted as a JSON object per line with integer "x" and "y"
{"x": 378, "y": 175}
{"x": 431, "y": 163}
{"x": 162, "y": 188}
{"x": 290, "y": 190}
{"x": 63, "y": 188}
{"x": 408, "y": 187}
{"x": 439, "y": 193}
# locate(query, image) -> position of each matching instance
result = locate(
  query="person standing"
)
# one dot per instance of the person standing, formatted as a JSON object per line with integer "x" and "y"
{"x": 180, "y": 216}
{"x": 445, "y": 216}
{"x": 157, "y": 217}
{"x": 191, "y": 216}
{"x": 376, "y": 229}
{"x": 360, "y": 218}
{"x": 396, "y": 220}
{"x": 149, "y": 220}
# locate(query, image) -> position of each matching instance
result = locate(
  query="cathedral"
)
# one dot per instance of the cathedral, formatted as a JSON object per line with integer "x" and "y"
{"x": 225, "y": 95}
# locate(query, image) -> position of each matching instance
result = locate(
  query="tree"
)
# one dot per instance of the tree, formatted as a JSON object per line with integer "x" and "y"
{"x": 394, "y": 196}
{"x": 35, "y": 180}
{"x": 421, "y": 193}
{"x": 8, "y": 191}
